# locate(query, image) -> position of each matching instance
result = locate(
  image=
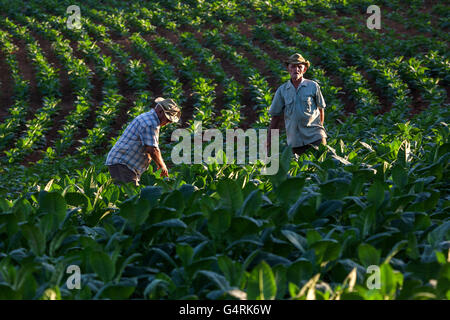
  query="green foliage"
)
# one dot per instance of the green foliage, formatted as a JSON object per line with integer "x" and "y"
{"x": 376, "y": 195}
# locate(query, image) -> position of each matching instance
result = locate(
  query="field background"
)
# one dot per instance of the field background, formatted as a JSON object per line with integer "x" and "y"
{"x": 376, "y": 195}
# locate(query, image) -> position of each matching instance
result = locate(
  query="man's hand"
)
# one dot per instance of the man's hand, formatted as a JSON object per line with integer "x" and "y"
{"x": 164, "y": 171}
{"x": 155, "y": 154}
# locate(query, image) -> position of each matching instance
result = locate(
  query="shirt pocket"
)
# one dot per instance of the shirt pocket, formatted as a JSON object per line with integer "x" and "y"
{"x": 289, "y": 105}
{"x": 309, "y": 104}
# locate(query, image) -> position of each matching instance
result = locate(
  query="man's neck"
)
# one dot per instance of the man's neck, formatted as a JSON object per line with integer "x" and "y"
{"x": 296, "y": 83}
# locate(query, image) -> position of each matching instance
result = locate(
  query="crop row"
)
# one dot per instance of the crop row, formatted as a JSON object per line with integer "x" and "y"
{"x": 387, "y": 70}
{"x": 79, "y": 76}
{"x": 16, "y": 113}
{"x": 231, "y": 112}
{"x": 49, "y": 87}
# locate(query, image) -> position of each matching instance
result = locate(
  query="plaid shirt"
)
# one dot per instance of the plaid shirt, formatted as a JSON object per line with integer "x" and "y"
{"x": 129, "y": 149}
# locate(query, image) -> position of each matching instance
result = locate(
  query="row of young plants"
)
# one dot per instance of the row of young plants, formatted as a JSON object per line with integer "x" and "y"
{"x": 232, "y": 106}
{"x": 357, "y": 79}
{"x": 79, "y": 75}
{"x": 183, "y": 18}
{"x": 109, "y": 107}
{"x": 231, "y": 111}
{"x": 388, "y": 44}
{"x": 48, "y": 84}
{"x": 160, "y": 70}
{"x": 134, "y": 73}
{"x": 15, "y": 119}
{"x": 414, "y": 18}
{"x": 401, "y": 98}
{"x": 258, "y": 86}
{"x": 276, "y": 67}
{"x": 423, "y": 72}
{"x": 260, "y": 92}
{"x": 203, "y": 88}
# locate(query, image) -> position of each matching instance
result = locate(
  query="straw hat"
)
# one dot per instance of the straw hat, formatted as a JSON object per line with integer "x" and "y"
{"x": 297, "y": 58}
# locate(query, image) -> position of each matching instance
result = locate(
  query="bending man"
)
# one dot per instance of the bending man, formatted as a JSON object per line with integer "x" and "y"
{"x": 132, "y": 153}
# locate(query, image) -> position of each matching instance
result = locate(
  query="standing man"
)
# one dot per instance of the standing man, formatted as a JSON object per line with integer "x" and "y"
{"x": 302, "y": 103}
{"x": 132, "y": 153}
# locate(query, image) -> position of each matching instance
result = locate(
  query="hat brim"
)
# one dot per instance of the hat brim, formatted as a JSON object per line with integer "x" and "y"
{"x": 297, "y": 62}
{"x": 172, "y": 118}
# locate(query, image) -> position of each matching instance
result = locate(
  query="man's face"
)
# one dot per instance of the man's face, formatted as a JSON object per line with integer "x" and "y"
{"x": 296, "y": 70}
{"x": 161, "y": 115}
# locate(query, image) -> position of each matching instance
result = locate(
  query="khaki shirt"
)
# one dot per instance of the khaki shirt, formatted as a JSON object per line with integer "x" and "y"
{"x": 301, "y": 111}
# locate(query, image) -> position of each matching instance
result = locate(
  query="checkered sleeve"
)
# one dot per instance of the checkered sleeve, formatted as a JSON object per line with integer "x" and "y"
{"x": 148, "y": 134}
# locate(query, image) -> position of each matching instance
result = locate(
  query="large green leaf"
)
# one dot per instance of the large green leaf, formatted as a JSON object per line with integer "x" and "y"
{"x": 390, "y": 281}
{"x": 243, "y": 226}
{"x": 170, "y": 223}
{"x": 376, "y": 193}
{"x": 404, "y": 154}
{"x": 160, "y": 214}
{"x": 299, "y": 270}
{"x": 330, "y": 207}
{"x": 368, "y": 255}
{"x": 152, "y": 194}
{"x": 59, "y": 238}
{"x": 76, "y": 199}
{"x": 102, "y": 265}
{"x": 231, "y": 194}
{"x": 123, "y": 263}
{"x": 218, "y": 279}
{"x": 261, "y": 283}
{"x": 232, "y": 270}
{"x": 35, "y": 238}
{"x": 400, "y": 176}
{"x": 185, "y": 253}
{"x": 118, "y": 292}
{"x": 219, "y": 221}
{"x": 53, "y": 203}
{"x": 135, "y": 213}
{"x": 439, "y": 234}
{"x": 175, "y": 200}
{"x": 304, "y": 209}
{"x": 7, "y": 293}
{"x": 290, "y": 189}
{"x": 326, "y": 250}
{"x": 285, "y": 158}
{"x": 295, "y": 239}
{"x": 155, "y": 286}
{"x": 252, "y": 203}
{"x": 336, "y": 188}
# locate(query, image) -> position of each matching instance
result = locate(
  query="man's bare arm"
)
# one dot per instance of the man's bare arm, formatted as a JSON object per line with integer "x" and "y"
{"x": 322, "y": 115}
{"x": 155, "y": 153}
